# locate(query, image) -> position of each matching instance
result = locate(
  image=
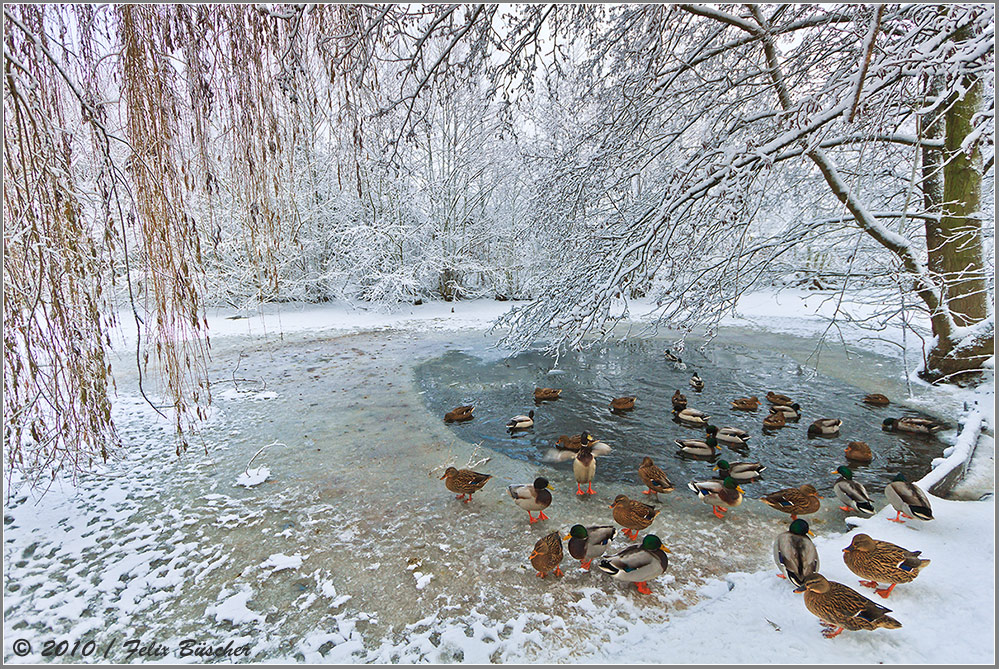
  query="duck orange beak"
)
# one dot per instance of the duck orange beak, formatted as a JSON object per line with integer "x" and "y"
{"x": 566, "y": 537}
{"x": 801, "y": 589}
{"x": 443, "y": 477}
{"x": 665, "y": 550}
{"x": 739, "y": 488}
{"x": 810, "y": 533}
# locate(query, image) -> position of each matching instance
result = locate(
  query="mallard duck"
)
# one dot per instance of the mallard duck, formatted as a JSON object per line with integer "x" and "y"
{"x": 746, "y": 403}
{"x": 840, "y": 607}
{"x": 623, "y": 403}
{"x": 795, "y": 553}
{"x": 852, "y": 493}
{"x": 911, "y": 424}
{"x": 584, "y": 466}
{"x": 858, "y": 451}
{"x": 547, "y": 555}
{"x": 633, "y": 515}
{"x": 638, "y": 563}
{"x": 721, "y": 495}
{"x": 703, "y": 448}
{"x": 877, "y": 399}
{"x": 774, "y": 421}
{"x": 672, "y": 357}
{"x": 532, "y": 497}
{"x": 882, "y": 562}
{"x": 546, "y": 394}
{"x": 679, "y": 401}
{"x": 696, "y": 382}
{"x": 792, "y": 412}
{"x": 573, "y": 443}
{"x": 740, "y": 471}
{"x": 586, "y": 543}
{"x": 521, "y": 422}
{"x": 691, "y": 417}
{"x": 459, "y": 414}
{"x": 825, "y": 427}
{"x": 729, "y": 435}
{"x": 654, "y": 478}
{"x": 796, "y": 501}
{"x": 777, "y": 398}
{"x": 908, "y": 499}
{"x": 464, "y": 481}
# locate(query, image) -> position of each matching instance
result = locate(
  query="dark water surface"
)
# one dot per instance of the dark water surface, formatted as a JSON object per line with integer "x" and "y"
{"x": 502, "y": 388}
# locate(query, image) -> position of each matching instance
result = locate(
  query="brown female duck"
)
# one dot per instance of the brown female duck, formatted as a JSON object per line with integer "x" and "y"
{"x": 547, "y": 555}
{"x": 877, "y": 399}
{"x": 464, "y": 481}
{"x": 746, "y": 403}
{"x": 858, "y": 451}
{"x": 795, "y": 501}
{"x": 623, "y": 403}
{"x": 840, "y": 607}
{"x": 546, "y": 394}
{"x": 882, "y": 562}
{"x": 679, "y": 401}
{"x": 654, "y": 478}
{"x": 774, "y": 421}
{"x": 459, "y": 414}
{"x": 633, "y": 515}
{"x": 777, "y": 398}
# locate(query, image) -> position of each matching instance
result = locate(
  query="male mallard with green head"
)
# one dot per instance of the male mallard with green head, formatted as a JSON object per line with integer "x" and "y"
{"x": 586, "y": 543}
{"x": 882, "y": 562}
{"x": 699, "y": 448}
{"x": 791, "y": 412}
{"x": 639, "y": 563}
{"x": 532, "y": 497}
{"x": 824, "y": 427}
{"x": 729, "y": 435}
{"x": 852, "y": 493}
{"x": 740, "y": 471}
{"x": 840, "y": 607}
{"x": 691, "y": 417}
{"x": 721, "y": 495}
{"x": 521, "y": 422}
{"x": 912, "y": 425}
{"x": 908, "y": 499}
{"x": 795, "y": 553}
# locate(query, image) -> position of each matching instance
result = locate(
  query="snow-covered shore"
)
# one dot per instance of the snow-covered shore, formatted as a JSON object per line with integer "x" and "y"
{"x": 747, "y": 616}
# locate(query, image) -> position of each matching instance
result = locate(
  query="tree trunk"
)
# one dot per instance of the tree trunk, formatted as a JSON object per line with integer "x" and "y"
{"x": 952, "y": 186}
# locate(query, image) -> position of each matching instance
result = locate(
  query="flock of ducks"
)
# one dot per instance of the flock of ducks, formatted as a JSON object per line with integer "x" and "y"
{"x": 837, "y": 606}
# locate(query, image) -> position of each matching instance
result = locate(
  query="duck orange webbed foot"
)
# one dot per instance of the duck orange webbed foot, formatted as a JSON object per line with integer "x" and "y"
{"x": 845, "y": 508}
{"x": 830, "y": 632}
{"x": 586, "y": 565}
{"x": 869, "y": 584}
{"x": 590, "y": 490}
{"x": 718, "y": 511}
{"x": 643, "y": 588}
{"x": 542, "y": 516}
{"x": 884, "y": 592}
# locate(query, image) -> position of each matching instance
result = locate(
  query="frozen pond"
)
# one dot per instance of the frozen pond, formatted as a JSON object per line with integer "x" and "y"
{"x": 352, "y": 549}
{"x": 502, "y": 388}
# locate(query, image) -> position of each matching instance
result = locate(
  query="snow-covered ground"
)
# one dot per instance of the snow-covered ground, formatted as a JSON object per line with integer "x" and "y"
{"x": 156, "y": 563}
